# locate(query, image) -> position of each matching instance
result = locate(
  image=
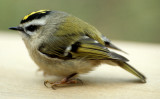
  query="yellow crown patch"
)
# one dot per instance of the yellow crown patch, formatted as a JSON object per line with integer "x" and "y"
{"x": 35, "y": 15}
{"x": 40, "y": 11}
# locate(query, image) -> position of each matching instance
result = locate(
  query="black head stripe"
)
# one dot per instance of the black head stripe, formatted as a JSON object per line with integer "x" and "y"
{"x": 35, "y": 15}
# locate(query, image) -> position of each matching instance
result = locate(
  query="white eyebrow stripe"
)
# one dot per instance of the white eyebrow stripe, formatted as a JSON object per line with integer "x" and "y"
{"x": 35, "y": 22}
{"x": 41, "y": 21}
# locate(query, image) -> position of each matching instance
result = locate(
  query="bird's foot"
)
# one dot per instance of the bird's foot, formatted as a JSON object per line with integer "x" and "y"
{"x": 66, "y": 81}
{"x": 63, "y": 82}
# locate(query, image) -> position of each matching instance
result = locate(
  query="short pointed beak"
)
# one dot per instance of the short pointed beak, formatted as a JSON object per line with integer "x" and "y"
{"x": 16, "y": 28}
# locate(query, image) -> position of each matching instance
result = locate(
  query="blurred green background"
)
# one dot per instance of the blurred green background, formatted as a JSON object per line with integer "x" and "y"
{"x": 134, "y": 20}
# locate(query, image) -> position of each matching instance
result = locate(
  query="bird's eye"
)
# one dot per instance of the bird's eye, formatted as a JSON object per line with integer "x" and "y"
{"x": 32, "y": 28}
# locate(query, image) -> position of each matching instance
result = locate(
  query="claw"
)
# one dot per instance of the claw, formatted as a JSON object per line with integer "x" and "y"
{"x": 45, "y": 83}
{"x": 52, "y": 84}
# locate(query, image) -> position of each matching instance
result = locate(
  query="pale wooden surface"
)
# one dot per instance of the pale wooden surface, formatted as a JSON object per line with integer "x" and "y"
{"x": 19, "y": 80}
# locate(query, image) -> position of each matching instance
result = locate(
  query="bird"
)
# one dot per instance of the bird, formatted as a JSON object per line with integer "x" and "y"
{"x": 64, "y": 45}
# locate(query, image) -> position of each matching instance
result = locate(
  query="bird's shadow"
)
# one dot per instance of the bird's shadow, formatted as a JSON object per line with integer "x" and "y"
{"x": 107, "y": 80}
{"x": 90, "y": 80}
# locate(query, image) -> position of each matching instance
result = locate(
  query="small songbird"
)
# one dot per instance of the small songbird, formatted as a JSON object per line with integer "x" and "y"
{"x": 64, "y": 45}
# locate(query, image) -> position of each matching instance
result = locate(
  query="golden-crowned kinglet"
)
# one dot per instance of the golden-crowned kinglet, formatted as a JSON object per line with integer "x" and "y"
{"x": 64, "y": 45}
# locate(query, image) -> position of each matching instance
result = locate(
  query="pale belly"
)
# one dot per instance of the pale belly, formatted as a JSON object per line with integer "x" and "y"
{"x": 59, "y": 67}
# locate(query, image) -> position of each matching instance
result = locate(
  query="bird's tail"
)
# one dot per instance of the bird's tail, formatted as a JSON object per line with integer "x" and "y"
{"x": 132, "y": 70}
